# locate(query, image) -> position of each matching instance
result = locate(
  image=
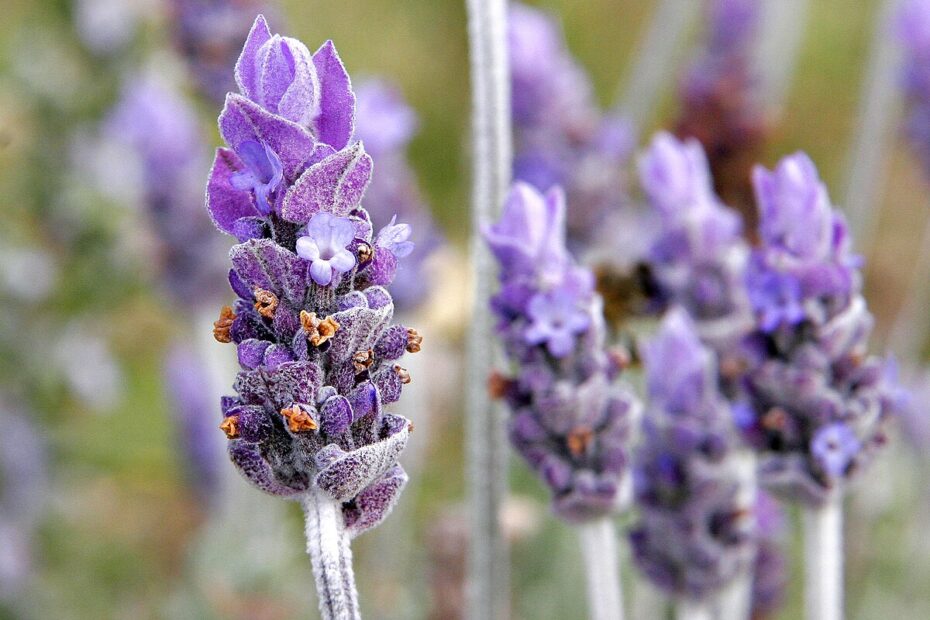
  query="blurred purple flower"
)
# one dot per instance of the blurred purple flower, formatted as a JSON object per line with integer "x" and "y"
{"x": 570, "y": 419}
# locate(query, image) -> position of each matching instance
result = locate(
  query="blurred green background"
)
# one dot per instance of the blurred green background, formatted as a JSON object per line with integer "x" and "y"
{"x": 123, "y": 535}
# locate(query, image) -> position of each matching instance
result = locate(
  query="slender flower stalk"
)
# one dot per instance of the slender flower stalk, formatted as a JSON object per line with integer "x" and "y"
{"x": 823, "y": 560}
{"x": 879, "y": 105}
{"x": 312, "y": 322}
{"x": 656, "y": 54}
{"x": 570, "y": 417}
{"x": 487, "y": 591}
{"x": 599, "y": 550}
{"x": 909, "y": 332}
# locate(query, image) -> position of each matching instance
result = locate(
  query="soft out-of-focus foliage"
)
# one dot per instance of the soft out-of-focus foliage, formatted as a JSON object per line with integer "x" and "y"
{"x": 84, "y": 329}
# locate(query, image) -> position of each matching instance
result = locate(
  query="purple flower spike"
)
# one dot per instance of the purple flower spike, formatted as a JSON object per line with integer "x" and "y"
{"x": 695, "y": 534}
{"x": 571, "y": 418}
{"x": 319, "y": 356}
{"x": 263, "y": 174}
{"x": 698, "y": 258}
{"x": 913, "y": 33}
{"x": 816, "y": 404}
{"x": 325, "y": 246}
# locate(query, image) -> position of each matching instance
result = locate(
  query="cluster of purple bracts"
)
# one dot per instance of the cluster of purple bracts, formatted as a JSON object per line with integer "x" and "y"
{"x": 697, "y": 259}
{"x": 561, "y": 138}
{"x": 720, "y": 102}
{"x": 695, "y": 532}
{"x": 312, "y": 322}
{"x": 571, "y": 420}
{"x": 816, "y": 403}
{"x": 913, "y": 31}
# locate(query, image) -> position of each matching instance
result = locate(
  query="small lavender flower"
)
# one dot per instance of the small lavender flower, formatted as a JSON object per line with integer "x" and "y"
{"x": 720, "y": 103}
{"x": 695, "y": 534}
{"x": 386, "y": 124}
{"x": 313, "y": 322}
{"x": 913, "y": 32}
{"x": 561, "y": 137}
{"x": 698, "y": 257}
{"x": 816, "y": 402}
{"x": 570, "y": 418}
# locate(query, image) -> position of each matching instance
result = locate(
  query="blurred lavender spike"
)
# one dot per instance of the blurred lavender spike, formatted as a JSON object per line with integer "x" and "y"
{"x": 654, "y": 58}
{"x": 386, "y": 124}
{"x": 487, "y": 576}
{"x": 779, "y": 46}
{"x": 879, "y": 104}
{"x": 695, "y": 535}
{"x": 908, "y": 334}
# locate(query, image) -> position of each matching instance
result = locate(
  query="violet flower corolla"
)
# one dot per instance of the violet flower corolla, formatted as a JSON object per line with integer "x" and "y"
{"x": 561, "y": 137}
{"x": 695, "y": 534}
{"x": 386, "y": 124}
{"x": 571, "y": 419}
{"x": 720, "y": 105}
{"x": 313, "y": 320}
{"x": 208, "y": 35}
{"x": 697, "y": 258}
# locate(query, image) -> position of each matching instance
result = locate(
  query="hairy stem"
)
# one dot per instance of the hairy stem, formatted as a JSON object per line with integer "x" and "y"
{"x": 602, "y": 569}
{"x": 654, "y": 59}
{"x": 487, "y": 579}
{"x": 823, "y": 561}
{"x": 908, "y": 334}
{"x": 878, "y": 107}
{"x": 686, "y": 609}
{"x": 331, "y": 557}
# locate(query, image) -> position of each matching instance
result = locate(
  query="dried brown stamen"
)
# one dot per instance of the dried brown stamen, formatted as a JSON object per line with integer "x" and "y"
{"x": 579, "y": 439}
{"x": 318, "y": 331}
{"x": 298, "y": 420}
{"x": 222, "y": 325}
{"x": 230, "y": 426}
{"x": 414, "y": 340}
{"x": 498, "y": 385}
{"x": 266, "y": 303}
{"x": 362, "y": 360}
{"x": 402, "y": 373}
{"x": 775, "y": 419}
{"x": 365, "y": 252}
{"x": 409, "y": 427}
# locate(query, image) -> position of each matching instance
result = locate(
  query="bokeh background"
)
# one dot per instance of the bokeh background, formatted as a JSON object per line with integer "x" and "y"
{"x": 110, "y": 515}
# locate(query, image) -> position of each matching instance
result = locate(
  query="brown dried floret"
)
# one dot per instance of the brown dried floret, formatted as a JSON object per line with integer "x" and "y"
{"x": 298, "y": 419}
{"x": 402, "y": 373}
{"x": 230, "y": 426}
{"x": 222, "y": 325}
{"x": 266, "y": 303}
{"x": 579, "y": 439}
{"x": 318, "y": 330}
{"x": 362, "y": 360}
{"x": 414, "y": 340}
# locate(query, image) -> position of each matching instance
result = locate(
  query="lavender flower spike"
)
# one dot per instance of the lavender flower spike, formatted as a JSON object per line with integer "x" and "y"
{"x": 817, "y": 403}
{"x": 695, "y": 533}
{"x": 313, "y": 322}
{"x": 698, "y": 257}
{"x": 570, "y": 419}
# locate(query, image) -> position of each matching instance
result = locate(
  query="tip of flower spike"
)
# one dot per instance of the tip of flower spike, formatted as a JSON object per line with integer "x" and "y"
{"x": 230, "y": 426}
{"x": 223, "y": 324}
{"x": 298, "y": 420}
